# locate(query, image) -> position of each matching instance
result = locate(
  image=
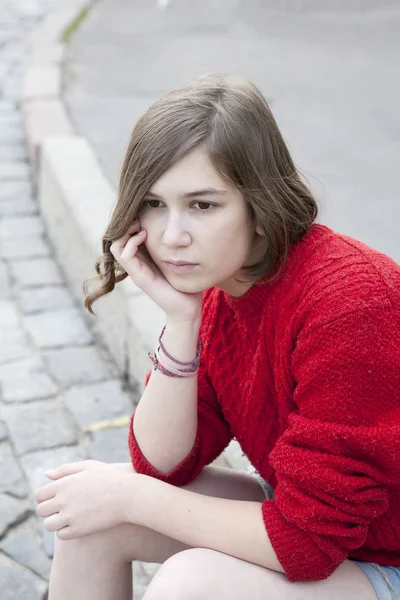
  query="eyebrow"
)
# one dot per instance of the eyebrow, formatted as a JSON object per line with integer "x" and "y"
{"x": 194, "y": 194}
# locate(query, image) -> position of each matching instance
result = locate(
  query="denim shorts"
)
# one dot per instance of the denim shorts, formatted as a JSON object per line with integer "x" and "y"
{"x": 385, "y": 580}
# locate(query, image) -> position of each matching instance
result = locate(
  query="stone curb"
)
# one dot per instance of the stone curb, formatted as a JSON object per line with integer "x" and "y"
{"x": 76, "y": 201}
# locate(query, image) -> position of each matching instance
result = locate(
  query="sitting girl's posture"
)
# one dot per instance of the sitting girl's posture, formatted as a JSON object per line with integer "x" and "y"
{"x": 280, "y": 333}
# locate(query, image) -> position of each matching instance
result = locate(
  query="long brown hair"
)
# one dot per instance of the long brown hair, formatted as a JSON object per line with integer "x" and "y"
{"x": 230, "y": 118}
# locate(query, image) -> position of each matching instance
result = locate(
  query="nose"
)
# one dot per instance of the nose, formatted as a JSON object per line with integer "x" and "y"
{"x": 175, "y": 233}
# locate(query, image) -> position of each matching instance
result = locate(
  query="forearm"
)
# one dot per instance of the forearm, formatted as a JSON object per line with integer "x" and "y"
{"x": 233, "y": 527}
{"x": 165, "y": 422}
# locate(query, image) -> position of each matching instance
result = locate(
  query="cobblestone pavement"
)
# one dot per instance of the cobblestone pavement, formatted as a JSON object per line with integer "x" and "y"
{"x": 55, "y": 381}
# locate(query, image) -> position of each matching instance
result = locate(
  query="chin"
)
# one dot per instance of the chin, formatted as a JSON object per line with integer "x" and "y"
{"x": 189, "y": 287}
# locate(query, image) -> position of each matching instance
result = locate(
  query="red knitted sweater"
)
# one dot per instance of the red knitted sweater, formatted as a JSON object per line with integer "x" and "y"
{"x": 305, "y": 373}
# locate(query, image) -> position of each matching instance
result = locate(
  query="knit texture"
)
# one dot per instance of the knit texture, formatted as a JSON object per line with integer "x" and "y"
{"x": 304, "y": 372}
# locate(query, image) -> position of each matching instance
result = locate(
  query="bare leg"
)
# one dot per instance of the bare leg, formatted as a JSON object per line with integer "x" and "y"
{"x": 202, "y": 574}
{"x": 99, "y": 566}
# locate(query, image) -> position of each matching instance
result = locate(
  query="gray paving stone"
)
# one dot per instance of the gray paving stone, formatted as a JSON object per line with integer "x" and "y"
{"x": 12, "y": 510}
{"x": 6, "y": 35}
{"x": 47, "y": 537}
{"x": 14, "y": 345}
{"x": 11, "y": 476}
{"x": 71, "y": 366}
{"x": 35, "y": 464}
{"x": 3, "y": 431}
{"x": 150, "y": 569}
{"x": 15, "y": 190}
{"x": 32, "y": 8}
{"x": 19, "y": 583}
{"x": 13, "y": 152}
{"x": 142, "y": 574}
{"x": 23, "y": 545}
{"x": 39, "y": 425}
{"x": 96, "y": 402}
{"x": 10, "y": 119}
{"x": 5, "y": 281}
{"x": 7, "y": 108}
{"x": 14, "y": 171}
{"x": 9, "y": 318}
{"x": 110, "y": 445}
{"x": 11, "y": 134}
{"x": 12, "y": 91}
{"x": 140, "y": 580}
{"x": 35, "y": 272}
{"x": 14, "y": 341}
{"x": 21, "y": 207}
{"x": 13, "y": 53}
{"x": 20, "y": 227}
{"x": 26, "y": 380}
{"x": 44, "y": 298}
{"x": 15, "y": 248}
{"x": 64, "y": 327}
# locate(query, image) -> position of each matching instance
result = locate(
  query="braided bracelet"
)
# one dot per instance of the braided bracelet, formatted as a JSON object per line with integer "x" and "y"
{"x": 169, "y": 371}
{"x": 175, "y": 360}
{"x": 179, "y": 372}
{"x": 159, "y": 362}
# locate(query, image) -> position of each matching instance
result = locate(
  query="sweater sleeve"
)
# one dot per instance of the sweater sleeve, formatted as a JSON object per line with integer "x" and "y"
{"x": 213, "y": 435}
{"x": 340, "y": 453}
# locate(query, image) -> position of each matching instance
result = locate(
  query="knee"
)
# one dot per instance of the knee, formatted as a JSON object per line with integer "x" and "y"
{"x": 108, "y": 540}
{"x": 184, "y": 576}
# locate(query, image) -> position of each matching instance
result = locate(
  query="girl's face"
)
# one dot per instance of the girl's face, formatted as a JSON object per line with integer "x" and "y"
{"x": 191, "y": 214}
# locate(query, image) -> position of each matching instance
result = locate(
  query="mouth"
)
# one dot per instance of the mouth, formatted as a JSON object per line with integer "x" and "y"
{"x": 178, "y": 263}
{"x": 179, "y": 267}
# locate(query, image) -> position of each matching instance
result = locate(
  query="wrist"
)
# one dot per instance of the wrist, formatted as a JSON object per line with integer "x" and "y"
{"x": 139, "y": 498}
{"x": 190, "y": 325}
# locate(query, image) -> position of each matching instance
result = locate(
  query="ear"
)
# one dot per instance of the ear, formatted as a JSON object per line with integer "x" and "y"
{"x": 260, "y": 230}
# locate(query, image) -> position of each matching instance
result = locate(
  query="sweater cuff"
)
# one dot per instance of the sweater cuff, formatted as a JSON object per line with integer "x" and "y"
{"x": 181, "y": 475}
{"x": 298, "y": 553}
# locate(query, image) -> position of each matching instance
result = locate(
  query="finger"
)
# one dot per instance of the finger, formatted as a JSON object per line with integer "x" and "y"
{"x": 120, "y": 242}
{"x": 48, "y": 508}
{"x": 66, "y": 533}
{"x": 55, "y": 522}
{"x": 45, "y": 493}
{"x": 136, "y": 236}
{"x": 69, "y": 469}
{"x": 132, "y": 245}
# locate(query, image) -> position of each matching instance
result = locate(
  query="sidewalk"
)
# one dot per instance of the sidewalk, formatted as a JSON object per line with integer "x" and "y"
{"x": 329, "y": 73}
{"x": 55, "y": 378}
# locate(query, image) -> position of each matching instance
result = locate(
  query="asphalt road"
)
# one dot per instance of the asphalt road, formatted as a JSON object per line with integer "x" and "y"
{"x": 329, "y": 70}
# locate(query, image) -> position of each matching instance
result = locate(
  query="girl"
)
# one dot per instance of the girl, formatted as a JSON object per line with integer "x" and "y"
{"x": 280, "y": 333}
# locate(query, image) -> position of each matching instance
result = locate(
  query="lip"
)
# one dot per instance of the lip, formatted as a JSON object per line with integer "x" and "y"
{"x": 180, "y": 267}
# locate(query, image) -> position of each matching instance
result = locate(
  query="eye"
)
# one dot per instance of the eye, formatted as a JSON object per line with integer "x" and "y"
{"x": 205, "y": 204}
{"x": 150, "y": 203}
{"x": 154, "y": 204}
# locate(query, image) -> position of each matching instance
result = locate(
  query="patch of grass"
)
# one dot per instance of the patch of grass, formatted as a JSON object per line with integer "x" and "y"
{"x": 74, "y": 25}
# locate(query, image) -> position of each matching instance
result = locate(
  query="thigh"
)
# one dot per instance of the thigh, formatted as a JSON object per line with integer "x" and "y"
{"x": 203, "y": 574}
{"x": 146, "y": 545}
{"x": 130, "y": 542}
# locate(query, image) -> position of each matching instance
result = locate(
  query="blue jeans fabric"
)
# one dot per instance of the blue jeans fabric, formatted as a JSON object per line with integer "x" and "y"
{"x": 385, "y": 580}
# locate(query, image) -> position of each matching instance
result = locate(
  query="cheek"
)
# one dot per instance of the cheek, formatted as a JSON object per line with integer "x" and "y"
{"x": 228, "y": 238}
